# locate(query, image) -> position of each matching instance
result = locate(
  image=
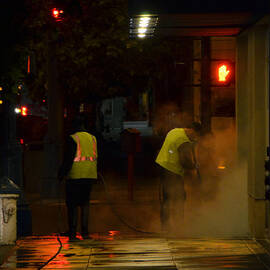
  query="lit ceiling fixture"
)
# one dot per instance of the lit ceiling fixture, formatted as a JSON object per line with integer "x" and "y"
{"x": 142, "y": 26}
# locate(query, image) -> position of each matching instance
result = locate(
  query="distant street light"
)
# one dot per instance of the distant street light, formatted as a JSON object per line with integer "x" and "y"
{"x": 17, "y": 110}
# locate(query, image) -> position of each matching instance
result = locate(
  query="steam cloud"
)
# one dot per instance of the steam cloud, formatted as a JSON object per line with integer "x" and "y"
{"x": 218, "y": 206}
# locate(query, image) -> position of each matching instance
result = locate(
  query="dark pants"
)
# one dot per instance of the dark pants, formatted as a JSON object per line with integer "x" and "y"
{"x": 173, "y": 197}
{"x": 77, "y": 196}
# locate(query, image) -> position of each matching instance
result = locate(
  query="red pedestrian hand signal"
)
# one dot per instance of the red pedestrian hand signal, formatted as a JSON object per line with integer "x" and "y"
{"x": 223, "y": 73}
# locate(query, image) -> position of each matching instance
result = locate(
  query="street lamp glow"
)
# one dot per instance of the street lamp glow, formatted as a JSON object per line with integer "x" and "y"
{"x": 17, "y": 110}
{"x": 141, "y": 35}
{"x": 145, "y": 19}
{"x": 143, "y": 25}
{"x": 142, "y": 30}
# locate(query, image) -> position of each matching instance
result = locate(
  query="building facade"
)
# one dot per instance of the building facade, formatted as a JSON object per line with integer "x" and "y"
{"x": 239, "y": 33}
{"x": 252, "y": 111}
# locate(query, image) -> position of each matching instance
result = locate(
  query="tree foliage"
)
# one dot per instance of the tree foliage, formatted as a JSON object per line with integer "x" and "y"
{"x": 12, "y": 53}
{"x": 96, "y": 58}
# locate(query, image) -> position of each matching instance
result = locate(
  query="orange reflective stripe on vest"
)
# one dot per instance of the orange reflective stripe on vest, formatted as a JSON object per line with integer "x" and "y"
{"x": 79, "y": 156}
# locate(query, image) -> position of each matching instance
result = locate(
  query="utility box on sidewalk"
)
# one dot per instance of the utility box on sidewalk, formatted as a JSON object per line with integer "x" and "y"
{"x": 9, "y": 194}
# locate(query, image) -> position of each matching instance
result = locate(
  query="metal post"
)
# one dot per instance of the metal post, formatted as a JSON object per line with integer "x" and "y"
{"x": 130, "y": 176}
{"x": 54, "y": 138}
{"x": 206, "y": 82}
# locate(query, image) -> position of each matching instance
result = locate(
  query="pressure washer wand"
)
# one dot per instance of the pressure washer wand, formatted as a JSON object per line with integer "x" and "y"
{"x": 198, "y": 172}
{"x": 196, "y": 163}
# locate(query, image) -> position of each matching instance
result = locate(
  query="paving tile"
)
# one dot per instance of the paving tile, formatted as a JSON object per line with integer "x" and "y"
{"x": 217, "y": 254}
{"x": 112, "y": 253}
{"x": 136, "y": 252}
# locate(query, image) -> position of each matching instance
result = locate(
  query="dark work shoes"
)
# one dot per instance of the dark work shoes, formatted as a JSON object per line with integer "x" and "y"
{"x": 73, "y": 237}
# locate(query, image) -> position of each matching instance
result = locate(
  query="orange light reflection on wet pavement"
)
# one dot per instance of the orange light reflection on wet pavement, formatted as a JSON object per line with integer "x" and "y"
{"x": 110, "y": 237}
{"x": 113, "y": 233}
{"x": 43, "y": 250}
{"x": 111, "y": 255}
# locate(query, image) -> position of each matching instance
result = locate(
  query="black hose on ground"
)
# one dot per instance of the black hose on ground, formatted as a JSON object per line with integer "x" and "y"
{"x": 196, "y": 163}
{"x": 115, "y": 212}
{"x": 55, "y": 255}
{"x": 58, "y": 234}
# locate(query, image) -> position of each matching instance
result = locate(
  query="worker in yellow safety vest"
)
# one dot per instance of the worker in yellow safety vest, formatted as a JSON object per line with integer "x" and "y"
{"x": 79, "y": 169}
{"x": 176, "y": 157}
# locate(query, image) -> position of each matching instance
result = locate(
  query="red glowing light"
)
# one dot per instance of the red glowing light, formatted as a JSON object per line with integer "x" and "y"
{"x": 24, "y": 111}
{"x": 28, "y": 64}
{"x": 110, "y": 237}
{"x": 57, "y": 14}
{"x": 223, "y": 72}
{"x": 113, "y": 233}
{"x": 21, "y": 141}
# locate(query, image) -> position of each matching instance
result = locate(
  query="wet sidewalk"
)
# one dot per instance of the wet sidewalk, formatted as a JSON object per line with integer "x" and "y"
{"x": 132, "y": 252}
{"x": 121, "y": 247}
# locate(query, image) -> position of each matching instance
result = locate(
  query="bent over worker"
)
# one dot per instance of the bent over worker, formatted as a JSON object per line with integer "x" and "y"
{"x": 177, "y": 159}
{"x": 79, "y": 168}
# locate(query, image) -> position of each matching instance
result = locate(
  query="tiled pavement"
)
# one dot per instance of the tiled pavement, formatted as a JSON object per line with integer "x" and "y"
{"x": 126, "y": 250}
{"x": 133, "y": 252}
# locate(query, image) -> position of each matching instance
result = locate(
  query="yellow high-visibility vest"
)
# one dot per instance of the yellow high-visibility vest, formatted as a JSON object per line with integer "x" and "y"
{"x": 168, "y": 156}
{"x": 85, "y": 162}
